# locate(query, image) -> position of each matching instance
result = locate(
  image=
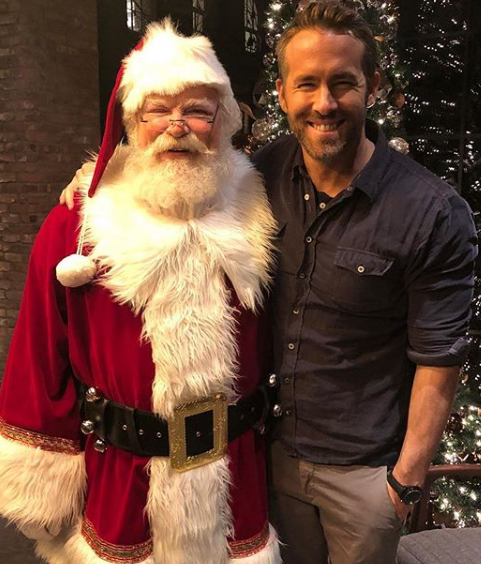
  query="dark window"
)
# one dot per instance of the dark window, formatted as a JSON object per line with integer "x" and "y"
{"x": 198, "y": 11}
{"x": 251, "y": 27}
{"x": 139, "y": 14}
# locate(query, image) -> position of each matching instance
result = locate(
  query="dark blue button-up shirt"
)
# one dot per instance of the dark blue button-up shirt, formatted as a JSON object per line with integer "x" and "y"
{"x": 369, "y": 284}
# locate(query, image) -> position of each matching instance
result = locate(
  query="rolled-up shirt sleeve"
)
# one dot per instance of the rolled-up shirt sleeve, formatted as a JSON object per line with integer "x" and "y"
{"x": 440, "y": 281}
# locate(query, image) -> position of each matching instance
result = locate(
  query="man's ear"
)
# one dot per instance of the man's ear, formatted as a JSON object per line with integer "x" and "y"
{"x": 373, "y": 87}
{"x": 280, "y": 91}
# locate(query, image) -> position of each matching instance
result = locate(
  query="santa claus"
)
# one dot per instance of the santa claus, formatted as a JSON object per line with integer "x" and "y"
{"x": 131, "y": 397}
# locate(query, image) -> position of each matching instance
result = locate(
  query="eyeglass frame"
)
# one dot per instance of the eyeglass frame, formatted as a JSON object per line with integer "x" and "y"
{"x": 184, "y": 122}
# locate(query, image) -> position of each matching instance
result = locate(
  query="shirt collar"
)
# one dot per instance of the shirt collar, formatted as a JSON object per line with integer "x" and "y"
{"x": 369, "y": 179}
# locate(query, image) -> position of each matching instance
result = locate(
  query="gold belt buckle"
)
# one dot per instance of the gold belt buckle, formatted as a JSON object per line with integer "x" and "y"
{"x": 177, "y": 444}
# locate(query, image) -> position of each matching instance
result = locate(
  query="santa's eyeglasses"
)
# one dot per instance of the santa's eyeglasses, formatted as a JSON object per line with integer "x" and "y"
{"x": 196, "y": 119}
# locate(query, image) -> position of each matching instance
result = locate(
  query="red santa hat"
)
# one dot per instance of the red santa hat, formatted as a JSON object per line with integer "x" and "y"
{"x": 164, "y": 62}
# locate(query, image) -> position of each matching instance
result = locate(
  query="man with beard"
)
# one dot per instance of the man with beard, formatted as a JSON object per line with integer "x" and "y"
{"x": 370, "y": 304}
{"x": 152, "y": 323}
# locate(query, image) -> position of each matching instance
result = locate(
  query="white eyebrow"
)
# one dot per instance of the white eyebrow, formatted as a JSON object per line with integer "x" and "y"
{"x": 190, "y": 102}
{"x": 199, "y": 102}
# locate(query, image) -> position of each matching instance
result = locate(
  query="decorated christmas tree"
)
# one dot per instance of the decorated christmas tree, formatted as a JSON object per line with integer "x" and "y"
{"x": 454, "y": 502}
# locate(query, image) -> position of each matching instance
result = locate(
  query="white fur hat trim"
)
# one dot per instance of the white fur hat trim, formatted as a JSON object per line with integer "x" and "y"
{"x": 167, "y": 64}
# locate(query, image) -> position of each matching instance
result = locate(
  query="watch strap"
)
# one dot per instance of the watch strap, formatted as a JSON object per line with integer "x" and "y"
{"x": 407, "y": 494}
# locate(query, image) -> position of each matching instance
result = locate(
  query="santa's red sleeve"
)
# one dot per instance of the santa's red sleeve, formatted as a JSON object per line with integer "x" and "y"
{"x": 42, "y": 471}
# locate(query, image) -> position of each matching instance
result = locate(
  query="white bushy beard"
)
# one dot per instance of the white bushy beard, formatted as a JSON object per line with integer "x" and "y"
{"x": 183, "y": 187}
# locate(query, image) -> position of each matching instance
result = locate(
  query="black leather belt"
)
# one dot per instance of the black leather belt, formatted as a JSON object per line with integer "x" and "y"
{"x": 145, "y": 434}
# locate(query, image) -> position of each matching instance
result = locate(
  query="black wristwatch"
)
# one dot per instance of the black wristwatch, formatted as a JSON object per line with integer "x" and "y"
{"x": 407, "y": 494}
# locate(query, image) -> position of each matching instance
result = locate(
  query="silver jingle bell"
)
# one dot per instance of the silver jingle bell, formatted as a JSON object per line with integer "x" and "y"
{"x": 399, "y": 144}
{"x": 277, "y": 410}
{"x": 87, "y": 427}
{"x": 100, "y": 446}
{"x": 273, "y": 380}
{"x": 92, "y": 395}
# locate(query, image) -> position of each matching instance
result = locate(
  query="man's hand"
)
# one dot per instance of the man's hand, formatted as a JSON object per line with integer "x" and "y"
{"x": 401, "y": 508}
{"x": 432, "y": 396}
{"x": 68, "y": 194}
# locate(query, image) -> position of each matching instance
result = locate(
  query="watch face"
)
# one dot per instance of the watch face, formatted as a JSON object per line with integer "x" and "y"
{"x": 412, "y": 495}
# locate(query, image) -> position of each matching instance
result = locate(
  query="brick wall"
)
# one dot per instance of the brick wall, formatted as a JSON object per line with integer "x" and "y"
{"x": 48, "y": 120}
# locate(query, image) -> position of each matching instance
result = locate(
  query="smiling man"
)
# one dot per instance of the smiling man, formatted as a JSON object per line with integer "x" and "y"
{"x": 152, "y": 324}
{"x": 370, "y": 304}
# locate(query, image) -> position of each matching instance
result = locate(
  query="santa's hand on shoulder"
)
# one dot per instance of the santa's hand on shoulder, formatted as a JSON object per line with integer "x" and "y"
{"x": 68, "y": 193}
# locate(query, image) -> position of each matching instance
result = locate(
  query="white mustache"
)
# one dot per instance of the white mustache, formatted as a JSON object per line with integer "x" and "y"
{"x": 189, "y": 143}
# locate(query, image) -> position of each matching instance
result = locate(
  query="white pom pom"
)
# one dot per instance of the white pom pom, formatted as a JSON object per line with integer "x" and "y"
{"x": 75, "y": 270}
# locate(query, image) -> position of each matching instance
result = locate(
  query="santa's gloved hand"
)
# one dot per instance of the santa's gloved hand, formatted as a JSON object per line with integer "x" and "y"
{"x": 39, "y": 532}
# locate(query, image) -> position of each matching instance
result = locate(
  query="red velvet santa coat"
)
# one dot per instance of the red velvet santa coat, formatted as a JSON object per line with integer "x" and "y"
{"x": 160, "y": 325}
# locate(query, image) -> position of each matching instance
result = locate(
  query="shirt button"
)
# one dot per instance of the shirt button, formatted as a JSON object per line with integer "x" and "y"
{"x": 288, "y": 412}
{"x": 308, "y": 239}
{"x": 286, "y": 380}
{"x": 349, "y": 188}
{"x": 322, "y": 205}
{"x": 291, "y": 346}
{"x": 360, "y": 269}
{"x": 302, "y": 275}
{"x": 306, "y": 196}
{"x": 295, "y": 311}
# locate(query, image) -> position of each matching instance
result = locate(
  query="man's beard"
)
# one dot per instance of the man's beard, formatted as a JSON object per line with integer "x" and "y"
{"x": 329, "y": 149}
{"x": 183, "y": 186}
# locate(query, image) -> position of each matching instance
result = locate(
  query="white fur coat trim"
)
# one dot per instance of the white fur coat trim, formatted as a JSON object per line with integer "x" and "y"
{"x": 76, "y": 550}
{"x": 173, "y": 273}
{"x": 189, "y": 513}
{"x": 40, "y": 488}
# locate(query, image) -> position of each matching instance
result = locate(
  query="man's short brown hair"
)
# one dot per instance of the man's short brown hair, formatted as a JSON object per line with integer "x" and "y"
{"x": 334, "y": 17}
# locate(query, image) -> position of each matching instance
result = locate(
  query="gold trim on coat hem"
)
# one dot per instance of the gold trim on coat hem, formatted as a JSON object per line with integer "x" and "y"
{"x": 247, "y": 547}
{"x": 39, "y": 440}
{"x": 130, "y": 554}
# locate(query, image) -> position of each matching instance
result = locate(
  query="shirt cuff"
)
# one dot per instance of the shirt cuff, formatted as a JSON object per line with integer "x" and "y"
{"x": 455, "y": 356}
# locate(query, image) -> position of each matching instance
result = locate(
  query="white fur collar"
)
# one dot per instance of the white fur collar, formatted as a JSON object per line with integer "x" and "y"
{"x": 133, "y": 244}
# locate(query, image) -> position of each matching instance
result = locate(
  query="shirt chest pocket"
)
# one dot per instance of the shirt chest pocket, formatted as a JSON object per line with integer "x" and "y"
{"x": 363, "y": 281}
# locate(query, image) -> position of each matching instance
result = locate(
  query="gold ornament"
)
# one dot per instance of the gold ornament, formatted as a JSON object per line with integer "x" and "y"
{"x": 398, "y": 100}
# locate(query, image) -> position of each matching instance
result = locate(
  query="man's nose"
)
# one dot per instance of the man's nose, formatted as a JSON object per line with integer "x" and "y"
{"x": 177, "y": 128}
{"x": 325, "y": 102}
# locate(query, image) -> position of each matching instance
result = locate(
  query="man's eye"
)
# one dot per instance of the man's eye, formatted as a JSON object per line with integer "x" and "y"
{"x": 306, "y": 85}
